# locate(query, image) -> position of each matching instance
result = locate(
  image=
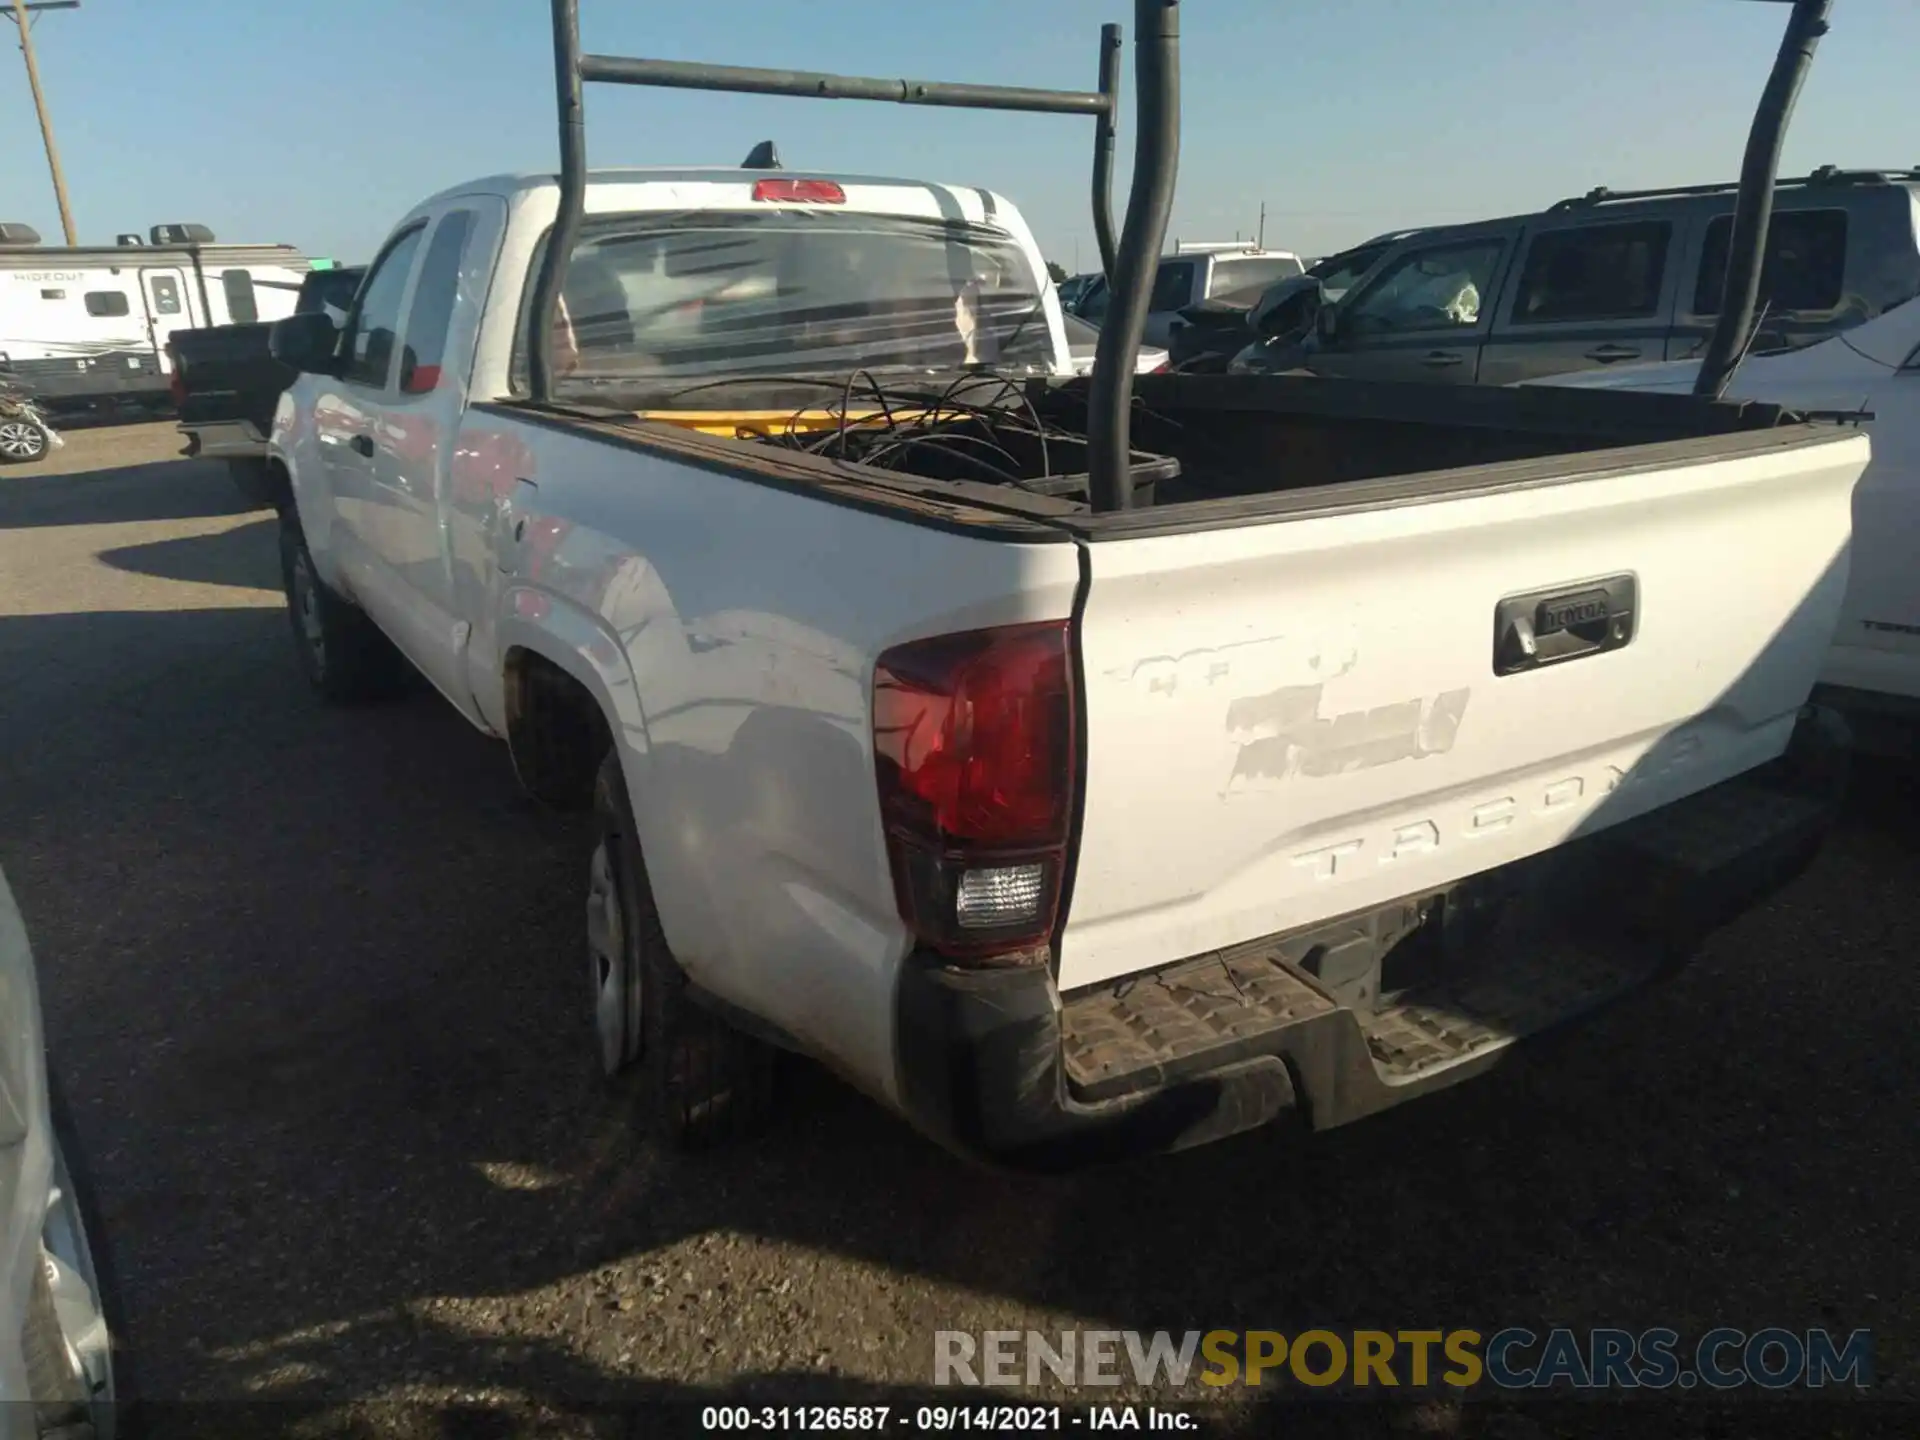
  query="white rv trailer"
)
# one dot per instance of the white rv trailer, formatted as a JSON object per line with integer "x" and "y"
{"x": 87, "y": 325}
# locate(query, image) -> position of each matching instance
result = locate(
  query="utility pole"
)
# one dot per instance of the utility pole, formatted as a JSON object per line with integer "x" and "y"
{"x": 1261, "y": 243}
{"x": 24, "y": 24}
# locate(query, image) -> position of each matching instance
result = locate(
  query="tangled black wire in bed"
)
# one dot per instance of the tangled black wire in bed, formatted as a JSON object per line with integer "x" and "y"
{"x": 980, "y": 426}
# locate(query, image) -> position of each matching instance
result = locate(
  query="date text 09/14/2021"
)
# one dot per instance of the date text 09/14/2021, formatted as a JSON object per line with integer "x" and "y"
{"x": 943, "y": 1419}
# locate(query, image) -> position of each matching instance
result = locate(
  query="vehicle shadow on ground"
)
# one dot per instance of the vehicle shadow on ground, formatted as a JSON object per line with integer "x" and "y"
{"x": 314, "y": 978}
{"x": 244, "y": 556}
{"x": 73, "y": 490}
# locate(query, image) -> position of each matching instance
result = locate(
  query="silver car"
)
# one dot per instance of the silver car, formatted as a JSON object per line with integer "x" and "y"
{"x": 58, "y": 1322}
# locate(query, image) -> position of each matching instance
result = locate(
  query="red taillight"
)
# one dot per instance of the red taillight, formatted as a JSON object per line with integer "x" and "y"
{"x": 811, "y": 192}
{"x": 974, "y": 753}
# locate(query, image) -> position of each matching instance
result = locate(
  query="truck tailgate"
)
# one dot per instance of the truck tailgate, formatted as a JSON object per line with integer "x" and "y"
{"x": 1290, "y": 721}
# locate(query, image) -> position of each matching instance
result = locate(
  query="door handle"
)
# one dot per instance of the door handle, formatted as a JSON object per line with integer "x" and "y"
{"x": 1441, "y": 359}
{"x": 1546, "y": 627}
{"x": 362, "y": 444}
{"x": 1607, "y": 354}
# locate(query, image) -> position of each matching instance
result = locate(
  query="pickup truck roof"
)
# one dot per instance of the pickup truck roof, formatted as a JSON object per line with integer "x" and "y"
{"x": 511, "y": 186}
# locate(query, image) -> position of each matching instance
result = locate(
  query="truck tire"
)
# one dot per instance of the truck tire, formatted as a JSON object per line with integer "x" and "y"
{"x": 58, "y": 1393}
{"x": 66, "y": 1404}
{"x": 342, "y": 653}
{"x": 701, "y": 1081}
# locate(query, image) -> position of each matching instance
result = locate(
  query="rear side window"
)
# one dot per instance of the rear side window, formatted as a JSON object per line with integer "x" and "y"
{"x": 1247, "y": 272}
{"x": 371, "y": 331}
{"x": 238, "y": 285}
{"x": 657, "y": 302}
{"x": 1172, "y": 286}
{"x": 434, "y": 297}
{"x": 105, "y": 304}
{"x": 1600, "y": 272}
{"x": 1805, "y": 267}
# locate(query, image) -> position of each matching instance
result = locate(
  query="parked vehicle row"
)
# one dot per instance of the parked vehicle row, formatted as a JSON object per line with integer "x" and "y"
{"x": 1208, "y": 335}
{"x": 1076, "y": 781}
{"x": 1609, "y": 279}
{"x": 86, "y": 326}
{"x": 1191, "y": 279}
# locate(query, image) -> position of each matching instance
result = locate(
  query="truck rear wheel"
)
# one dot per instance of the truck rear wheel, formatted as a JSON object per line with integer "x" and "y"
{"x": 342, "y": 653}
{"x": 702, "y": 1082}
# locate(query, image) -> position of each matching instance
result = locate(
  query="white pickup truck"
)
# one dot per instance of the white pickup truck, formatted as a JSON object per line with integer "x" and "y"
{"x": 1375, "y": 728}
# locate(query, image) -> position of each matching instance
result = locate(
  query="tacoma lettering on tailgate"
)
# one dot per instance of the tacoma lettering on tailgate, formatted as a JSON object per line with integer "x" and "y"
{"x": 1556, "y": 801}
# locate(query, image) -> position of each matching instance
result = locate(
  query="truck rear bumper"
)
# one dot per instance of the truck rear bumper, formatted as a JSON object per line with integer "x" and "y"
{"x": 999, "y": 1065}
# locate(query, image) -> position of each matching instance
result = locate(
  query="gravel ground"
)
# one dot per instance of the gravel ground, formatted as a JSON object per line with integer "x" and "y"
{"x": 313, "y": 979}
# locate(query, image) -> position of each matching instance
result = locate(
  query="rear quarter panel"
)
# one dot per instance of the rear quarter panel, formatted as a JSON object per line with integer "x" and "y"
{"x": 730, "y": 630}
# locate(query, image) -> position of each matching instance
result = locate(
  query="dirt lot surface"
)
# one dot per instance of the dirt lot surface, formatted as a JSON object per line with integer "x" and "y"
{"x": 314, "y": 980}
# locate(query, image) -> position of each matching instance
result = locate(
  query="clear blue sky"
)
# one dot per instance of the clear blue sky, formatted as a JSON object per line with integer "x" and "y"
{"x": 319, "y": 124}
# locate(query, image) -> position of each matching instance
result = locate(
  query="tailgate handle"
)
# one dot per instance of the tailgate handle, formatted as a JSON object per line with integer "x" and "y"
{"x": 1568, "y": 622}
{"x": 1607, "y": 354}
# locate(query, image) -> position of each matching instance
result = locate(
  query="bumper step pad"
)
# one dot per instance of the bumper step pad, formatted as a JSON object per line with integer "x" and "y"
{"x": 1668, "y": 878}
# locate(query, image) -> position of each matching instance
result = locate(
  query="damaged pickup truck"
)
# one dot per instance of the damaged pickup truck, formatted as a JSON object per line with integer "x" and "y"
{"x": 1081, "y": 766}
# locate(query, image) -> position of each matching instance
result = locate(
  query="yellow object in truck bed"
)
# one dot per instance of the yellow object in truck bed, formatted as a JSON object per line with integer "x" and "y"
{"x": 760, "y": 424}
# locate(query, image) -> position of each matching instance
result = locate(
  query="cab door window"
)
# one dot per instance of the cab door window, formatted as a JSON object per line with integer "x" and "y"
{"x": 373, "y": 328}
{"x": 1439, "y": 288}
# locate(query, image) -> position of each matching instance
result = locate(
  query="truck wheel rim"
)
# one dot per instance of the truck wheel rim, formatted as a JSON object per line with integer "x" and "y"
{"x": 616, "y": 982}
{"x": 306, "y": 600}
{"x": 74, "y": 1280}
{"x": 21, "y": 441}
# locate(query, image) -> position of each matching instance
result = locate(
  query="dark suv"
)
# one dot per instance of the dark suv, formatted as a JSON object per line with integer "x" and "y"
{"x": 1610, "y": 278}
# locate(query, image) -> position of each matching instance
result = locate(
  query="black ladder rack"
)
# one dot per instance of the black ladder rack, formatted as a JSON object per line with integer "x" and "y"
{"x": 1128, "y": 264}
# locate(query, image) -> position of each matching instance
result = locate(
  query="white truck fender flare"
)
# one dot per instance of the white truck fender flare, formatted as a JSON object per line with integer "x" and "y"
{"x": 580, "y": 643}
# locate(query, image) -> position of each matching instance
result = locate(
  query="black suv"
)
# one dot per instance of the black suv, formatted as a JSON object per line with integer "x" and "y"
{"x": 1611, "y": 278}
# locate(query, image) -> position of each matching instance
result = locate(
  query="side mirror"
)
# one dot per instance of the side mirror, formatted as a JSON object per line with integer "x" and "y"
{"x": 308, "y": 343}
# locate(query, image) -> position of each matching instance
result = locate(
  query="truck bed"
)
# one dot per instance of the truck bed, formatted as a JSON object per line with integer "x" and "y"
{"x": 1377, "y": 639}
{"x": 1251, "y": 448}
